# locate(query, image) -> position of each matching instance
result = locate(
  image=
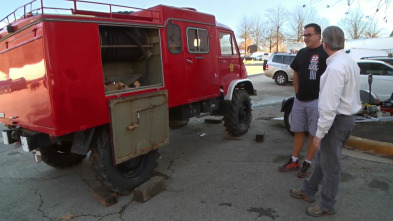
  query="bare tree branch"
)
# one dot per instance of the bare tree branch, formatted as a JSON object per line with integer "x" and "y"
{"x": 357, "y": 25}
{"x": 246, "y": 29}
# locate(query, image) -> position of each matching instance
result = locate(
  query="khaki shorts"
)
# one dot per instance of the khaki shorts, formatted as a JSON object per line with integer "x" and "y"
{"x": 304, "y": 116}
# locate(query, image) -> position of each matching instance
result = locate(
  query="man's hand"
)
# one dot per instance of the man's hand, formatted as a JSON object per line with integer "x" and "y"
{"x": 316, "y": 143}
{"x": 295, "y": 79}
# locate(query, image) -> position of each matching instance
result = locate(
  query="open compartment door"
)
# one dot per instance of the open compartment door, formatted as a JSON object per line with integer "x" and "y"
{"x": 139, "y": 124}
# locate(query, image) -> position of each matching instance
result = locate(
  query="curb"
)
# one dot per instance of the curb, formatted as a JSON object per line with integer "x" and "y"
{"x": 377, "y": 147}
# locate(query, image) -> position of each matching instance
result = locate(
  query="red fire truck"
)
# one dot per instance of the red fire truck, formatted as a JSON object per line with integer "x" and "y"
{"x": 110, "y": 83}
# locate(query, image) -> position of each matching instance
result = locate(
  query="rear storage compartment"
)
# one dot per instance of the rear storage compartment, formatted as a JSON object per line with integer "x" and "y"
{"x": 131, "y": 58}
{"x": 131, "y": 61}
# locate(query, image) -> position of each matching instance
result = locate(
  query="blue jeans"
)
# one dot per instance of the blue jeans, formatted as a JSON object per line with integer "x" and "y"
{"x": 327, "y": 167}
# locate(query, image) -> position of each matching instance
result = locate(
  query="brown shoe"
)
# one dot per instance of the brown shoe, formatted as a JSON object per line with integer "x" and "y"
{"x": 296, "y": 193}
{"x": 317, "y": 211}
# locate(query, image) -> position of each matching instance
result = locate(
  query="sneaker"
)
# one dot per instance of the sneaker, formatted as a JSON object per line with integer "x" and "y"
{"x": 305, "y": 171}
{"x": 317, "y": 211}
{"x": 291, "y": 165}
{"x": 298, "y": 194}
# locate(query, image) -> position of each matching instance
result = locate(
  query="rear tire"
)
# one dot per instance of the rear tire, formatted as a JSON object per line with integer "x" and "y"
{"x": 239, "y": 119}
{"x": 123, "y": 177}
{"x": 60, "y": 156}
{"x": 176, "y": 124}
{"x": 281, "y": 78}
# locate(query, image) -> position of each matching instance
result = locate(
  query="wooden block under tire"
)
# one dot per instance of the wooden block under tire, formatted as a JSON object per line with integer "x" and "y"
{"x": 105, "y": 196}
{"x": 149, "y": 189}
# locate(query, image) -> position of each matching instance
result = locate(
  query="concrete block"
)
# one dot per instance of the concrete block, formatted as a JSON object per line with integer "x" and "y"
{"x": 105, "y": 196}
{"x": 149, "y": 189}
{"x": 260, "y": 137}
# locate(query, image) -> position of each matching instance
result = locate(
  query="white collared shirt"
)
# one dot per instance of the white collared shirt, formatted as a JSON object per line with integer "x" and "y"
{"x": 339, "y": 90}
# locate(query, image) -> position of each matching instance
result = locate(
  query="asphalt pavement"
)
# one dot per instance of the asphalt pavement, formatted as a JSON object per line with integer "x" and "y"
{"x": 209, "y": 176}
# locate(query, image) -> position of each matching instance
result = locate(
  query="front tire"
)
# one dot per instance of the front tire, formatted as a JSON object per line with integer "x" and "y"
{"x": 123, "y": 177}
{"x": 287, "y": 118}
{"x": 60, "y": 156}
{"x": 239, "y": 119}
{"x": 281, "y": 78}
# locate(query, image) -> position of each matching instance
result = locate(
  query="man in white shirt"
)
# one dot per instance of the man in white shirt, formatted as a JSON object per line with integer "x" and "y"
{"x": 339, "y": 101}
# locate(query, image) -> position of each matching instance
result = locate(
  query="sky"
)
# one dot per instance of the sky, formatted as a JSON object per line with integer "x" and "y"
{"x": 231, "y": 12}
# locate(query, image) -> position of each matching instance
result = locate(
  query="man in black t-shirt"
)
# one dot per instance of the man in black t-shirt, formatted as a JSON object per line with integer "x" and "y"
{"x": 308, "y": 66}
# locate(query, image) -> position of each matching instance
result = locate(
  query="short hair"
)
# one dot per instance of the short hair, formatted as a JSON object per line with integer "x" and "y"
{"x": 316, "y": 27}
{"x": 334, "y": 37}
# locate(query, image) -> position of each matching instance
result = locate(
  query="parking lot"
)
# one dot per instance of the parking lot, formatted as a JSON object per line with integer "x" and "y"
{"x": 209, "y": 176}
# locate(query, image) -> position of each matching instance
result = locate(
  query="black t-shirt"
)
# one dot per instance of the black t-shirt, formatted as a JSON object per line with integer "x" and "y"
{"x": 310, "y": 65}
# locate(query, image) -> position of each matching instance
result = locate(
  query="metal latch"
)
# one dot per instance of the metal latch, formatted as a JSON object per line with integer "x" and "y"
{"x": 138, "y": 111}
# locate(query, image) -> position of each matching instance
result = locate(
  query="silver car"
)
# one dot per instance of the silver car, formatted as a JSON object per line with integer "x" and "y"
{"x": 382, "y": 81}
{"x": 278, "y": 68}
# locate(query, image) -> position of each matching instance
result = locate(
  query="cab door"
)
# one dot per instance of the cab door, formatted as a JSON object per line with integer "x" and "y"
{"x": 201, "y": 70}
{"x": 229, "y": 61}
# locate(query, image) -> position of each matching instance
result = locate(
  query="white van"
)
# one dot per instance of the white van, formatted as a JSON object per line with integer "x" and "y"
{"x": 256, "y": 56}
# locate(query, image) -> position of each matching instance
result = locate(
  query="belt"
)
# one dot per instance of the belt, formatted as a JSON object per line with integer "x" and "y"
{"x": 344, "y": 115}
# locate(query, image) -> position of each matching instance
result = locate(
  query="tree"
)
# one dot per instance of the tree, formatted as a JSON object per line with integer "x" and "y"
{"x": 378, "y": 10}
{"x": 357, "y": 25}
{"x": 258, "y": 31}
{"x": 373, "y": 30}
{"x": 276, "y": 17}
{"x": 246, "y": 29}
{"x": 269, "y": 39}
{"x": 302, "y": 16}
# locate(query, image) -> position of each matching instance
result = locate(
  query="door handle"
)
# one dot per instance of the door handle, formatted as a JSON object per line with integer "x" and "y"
{"x": 138, "y": 113}
{"x": 188, "y": 61}
{"x": 223, "y": 61}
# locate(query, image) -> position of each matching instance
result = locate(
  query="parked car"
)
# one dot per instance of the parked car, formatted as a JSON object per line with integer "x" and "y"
{"x": 382, "y": 83}
{"x": 254, "y": 56}
{"x": 266, "y": 56}
{"x": 246, "y": 57}
{"x": 278, "y": 68}
{"x": 386, "y": 59}
{"x": 258, "y": 58}
{"x": 381, "y": 86}
{"x": 264, "y": 65}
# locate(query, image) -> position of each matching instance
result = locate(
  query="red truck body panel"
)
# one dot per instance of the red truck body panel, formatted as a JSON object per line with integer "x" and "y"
{"x": 64, "y": 92}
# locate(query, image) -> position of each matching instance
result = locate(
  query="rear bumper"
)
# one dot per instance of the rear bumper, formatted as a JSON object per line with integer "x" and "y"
{"x": 29, "y": 140}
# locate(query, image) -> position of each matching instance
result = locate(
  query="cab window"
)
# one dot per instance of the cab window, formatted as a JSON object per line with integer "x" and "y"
{"x": 174, "y": 38}
{"x": 227, "y": 44}
{"x": 197, "y": 40}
